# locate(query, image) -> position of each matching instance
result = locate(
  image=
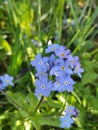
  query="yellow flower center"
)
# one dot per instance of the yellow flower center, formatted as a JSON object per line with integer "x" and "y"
{"x": 58, "y": 84}
{"x": 53, "y": 48}
{"x": 7, "y": 80}
{"x": 66, "y": 121}
{"x": 69, "y": 111}
{"x": 62, "y": 55}
{"x": 77, "y": 69}
{"x": 72, "y": 61}
{"x": 63, "y": 67}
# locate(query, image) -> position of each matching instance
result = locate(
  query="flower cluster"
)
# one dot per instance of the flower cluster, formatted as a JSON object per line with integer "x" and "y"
{"x": 54, "y": 72}
{"x": 67, "y": 119}
{"x": 5, "y": 80}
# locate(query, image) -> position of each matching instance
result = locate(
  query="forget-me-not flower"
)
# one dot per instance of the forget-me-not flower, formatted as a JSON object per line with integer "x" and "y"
{"x": 40, "y": 63}
{"x": 52, "y": 48}
{"x": 70, "y": 110}
{"x": 78, "y": 70}
{"x": 43, "y": 86}
{"x": 66, "y": 121}
{"x": 6, "y": 80}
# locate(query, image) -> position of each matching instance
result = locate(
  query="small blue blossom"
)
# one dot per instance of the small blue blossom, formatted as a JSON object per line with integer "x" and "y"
{"x": 41, "y": 73}
{"x": 62, "y": 52}
{"x": 43, "y": 87}
{"x": 58, "y": 86}
{"x": 61, "y": 68}
{"x": 52, "y": 48}
{"x": 52, "y": 60}
{"x": 73, "y": 61}
{"x": 66, "y": 121}
{"x": 40, "y": 63}
{"x": 64, "y": 84}
{"x": 5, "y": 81}
{"x": 70, "y": 110}
{"x": 55, "y": 71}
{"x": 68, "y": 82}
{"x": 78, "y": 70}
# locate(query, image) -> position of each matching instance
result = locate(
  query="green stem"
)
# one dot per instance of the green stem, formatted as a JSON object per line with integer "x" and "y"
{"x": 77, "y": 97}
{"x": 38, "y": 105}
{"x": 74, "y": 37}
{"x": 93, "y": 52}
{"x": 39, "y": 19}
{"x": 60, "y": 20}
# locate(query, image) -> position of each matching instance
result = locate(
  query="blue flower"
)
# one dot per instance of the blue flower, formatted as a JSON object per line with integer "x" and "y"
{"x": 43, "y": 86}
{"x": 62, "y": 53}
{"x": 61, "y": 68}
{"x": 52, "y": 60}
{"x": 41, "y": 73}
{"x": 64, "y": 84}
{"x": 52, "y": 48}
{"x": 58, "y": 86}
{"x": 40, "y": 63}
{"x": 5, "y": 81}
{"x": 70, "y": 110}
{"x": 73, "y": 60}
{"x": 55, "y": 71}
{"x": 78, "y": 70}
{"x": 68, "y": 82}
{"x": 66, "y": 121}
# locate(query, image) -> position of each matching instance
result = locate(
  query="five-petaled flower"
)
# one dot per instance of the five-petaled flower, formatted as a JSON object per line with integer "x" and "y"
{"x": 6, "y": 80}
{"x": 43, "y": 86}
{"x": 70, "y": 110}
{"x": 66, "y": 121}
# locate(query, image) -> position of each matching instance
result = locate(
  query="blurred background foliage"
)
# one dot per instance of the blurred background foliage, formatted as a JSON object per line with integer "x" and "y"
{"x": 26, "y": 28}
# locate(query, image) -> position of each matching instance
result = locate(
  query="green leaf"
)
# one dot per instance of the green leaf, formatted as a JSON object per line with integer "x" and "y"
{"x": 36, "y": 123}
{"x": 19, "y": 101}
{"x": 5, "y": 45}
{"x": 89, "y": 74}
{"x": 54, "y": 103}
{"x": 32, "y": 101}
{"x": 51, "y": 121}
{"x": 18, "y": 98}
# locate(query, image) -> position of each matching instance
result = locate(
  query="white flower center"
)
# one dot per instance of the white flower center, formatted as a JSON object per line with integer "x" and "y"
{"x": 77, "y": 69}
{"x": 72, "y": 61}
{"x": 66, "y": 83}
{"x": 58, "y": 83}
{"x": 43, "y": 86}
{"x": 66, "y": 121}
{"x": 42, "y": 73}
{"x": 40, "y": 62}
